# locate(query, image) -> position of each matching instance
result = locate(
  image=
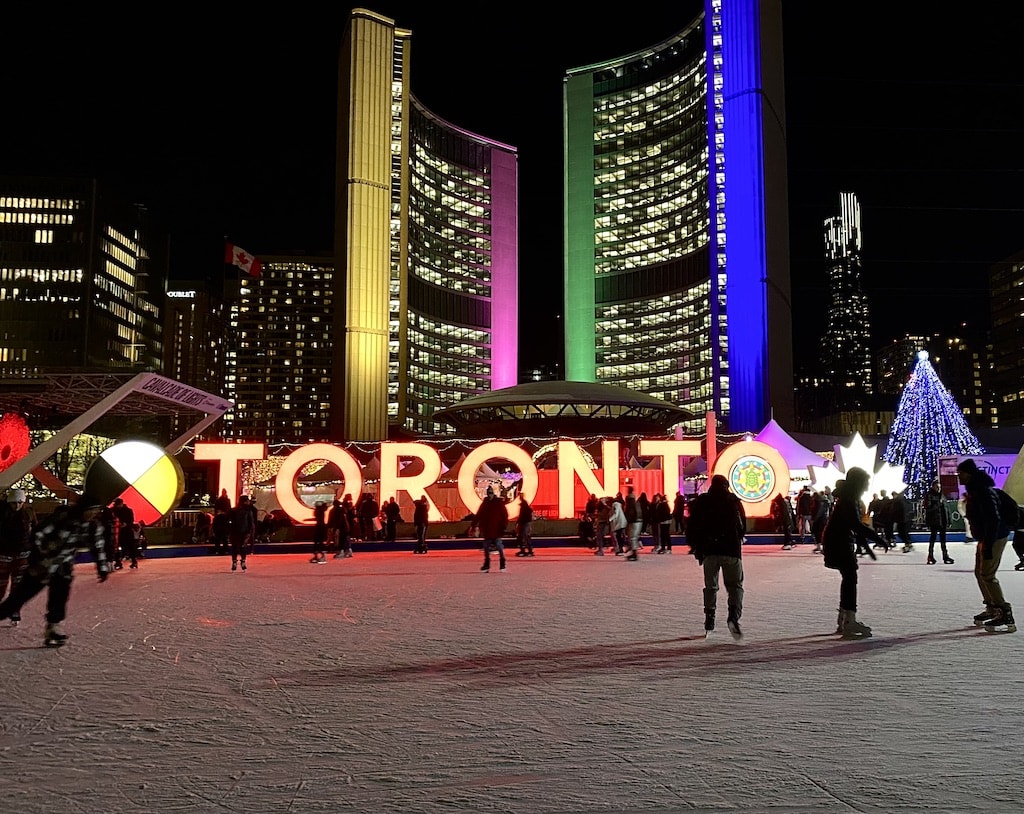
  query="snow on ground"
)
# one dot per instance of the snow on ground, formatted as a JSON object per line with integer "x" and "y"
{"x": 393, "y": 682}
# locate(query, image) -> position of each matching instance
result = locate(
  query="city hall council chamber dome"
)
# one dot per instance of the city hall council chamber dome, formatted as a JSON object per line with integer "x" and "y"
{"x": 562, "y": 408}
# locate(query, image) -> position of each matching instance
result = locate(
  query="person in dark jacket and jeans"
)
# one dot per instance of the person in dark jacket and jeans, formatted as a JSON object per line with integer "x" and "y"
{"x": 936, "y": 515}
{"x": 242, "y": 526}
{"x": 715, "y": 535}
{"x": 492, "y": 520}
{"x": 991, "y": 532}
{"x": 839, "y": 544}
{"x": 634, "y": 511}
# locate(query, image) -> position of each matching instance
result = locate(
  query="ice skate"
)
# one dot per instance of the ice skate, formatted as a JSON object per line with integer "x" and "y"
{"x": 709, "y": 622}
{"x": 15, "y": 619}
{"x": 734, "y": 628}
{"x": 1001, "y": 623}
{"x": 947, "y": 560}
{"x": 53, "y": 637}
{"x": 986, "y": 616}
{"x": 851, "y": 628}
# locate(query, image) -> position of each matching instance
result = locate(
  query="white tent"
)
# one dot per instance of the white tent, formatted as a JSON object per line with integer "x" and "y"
{"x": 792, "y": 451}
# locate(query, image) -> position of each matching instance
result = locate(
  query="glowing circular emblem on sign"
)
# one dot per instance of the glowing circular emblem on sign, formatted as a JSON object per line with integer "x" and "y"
{"x": 751, "y": 478}
{"x": 756, "y": 473}
{"x": 148, "y": 479}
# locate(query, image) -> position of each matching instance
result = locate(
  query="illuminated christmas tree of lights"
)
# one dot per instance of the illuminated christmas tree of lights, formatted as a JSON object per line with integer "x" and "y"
{"x": 928, "y": 423}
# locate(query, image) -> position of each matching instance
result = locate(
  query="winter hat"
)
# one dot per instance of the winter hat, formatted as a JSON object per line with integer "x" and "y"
{"x": 968, "y": 466}
{"x": 17, "y": 496}
{"x": 719, "y": 482}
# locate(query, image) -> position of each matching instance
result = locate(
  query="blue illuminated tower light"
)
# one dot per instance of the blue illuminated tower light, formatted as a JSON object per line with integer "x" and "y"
{"x": 928, "y": 424}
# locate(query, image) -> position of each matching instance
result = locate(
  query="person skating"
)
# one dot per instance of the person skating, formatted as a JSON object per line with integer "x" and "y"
{"x": 524, "y": 528}
{"x": 319, "y": 532}
{"x": 420, "y": 519}
{"x": 492, "y": 520}
{"x": 715, "y": 535}
{"x": 936, "y": 515}
{"x": 16, "y": 526}
{"x": 782, "y": 515}
{"x": 991, "y": 531}
{"x": 124, "y": 524}
{"x": 51, "y": 563}
{"x": 634, "y": 511}
{"x": 901, "y": 510}
{"x": 839, "y": 543}
{"x": 242, "y": 524}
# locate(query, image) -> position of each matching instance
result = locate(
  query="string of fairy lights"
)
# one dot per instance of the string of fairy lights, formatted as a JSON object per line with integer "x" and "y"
{"x": 928, "y": 424}
{"x": 254, "y": 472}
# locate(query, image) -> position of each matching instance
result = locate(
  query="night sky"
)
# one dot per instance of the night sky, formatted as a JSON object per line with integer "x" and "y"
{"x": 227, "y": 128}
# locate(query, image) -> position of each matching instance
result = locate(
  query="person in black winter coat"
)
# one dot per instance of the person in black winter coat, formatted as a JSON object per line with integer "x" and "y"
{"x": 901, "y": 519}
{"x": 991, "y": 531}
{"x": 420, "y": 519}
{"x": 51, "y": 563}
{"x": 782, "y": 515}
{"x": 17, "y": 522}
{"x": 839, "y": 544}
{"x": 320, "y": 532}
{"x": 936, "y": 515}
{"x": 242, "y": 526}
{"x": 715, "y": 535}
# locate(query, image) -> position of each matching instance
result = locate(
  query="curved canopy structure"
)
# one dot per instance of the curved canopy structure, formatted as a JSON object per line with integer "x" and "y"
{"x": 562, "y": 408}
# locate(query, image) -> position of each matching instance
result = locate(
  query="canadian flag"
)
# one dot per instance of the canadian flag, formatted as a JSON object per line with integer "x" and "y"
{"x": 237, "y": 256}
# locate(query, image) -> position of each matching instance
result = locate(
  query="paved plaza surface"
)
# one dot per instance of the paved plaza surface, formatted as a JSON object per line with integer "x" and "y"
{"x": 393, "y": 682}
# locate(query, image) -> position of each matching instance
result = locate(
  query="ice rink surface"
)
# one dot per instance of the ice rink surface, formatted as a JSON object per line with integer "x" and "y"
{"x": 394, "y": 682}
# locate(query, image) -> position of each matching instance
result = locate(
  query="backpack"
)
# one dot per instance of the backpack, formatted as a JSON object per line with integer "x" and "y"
{"x": 1011, "y": 513}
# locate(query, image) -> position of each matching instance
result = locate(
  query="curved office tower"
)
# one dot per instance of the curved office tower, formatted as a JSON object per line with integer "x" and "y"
{"x": 676, "y": 228}
{"x": 426, "y": 245}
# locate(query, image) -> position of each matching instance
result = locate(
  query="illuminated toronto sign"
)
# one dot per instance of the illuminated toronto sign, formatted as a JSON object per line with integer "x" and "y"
{"x": 756, "y": 471}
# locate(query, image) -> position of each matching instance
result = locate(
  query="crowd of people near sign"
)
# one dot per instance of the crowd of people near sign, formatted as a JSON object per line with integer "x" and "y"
{"x": 40, "y": 554}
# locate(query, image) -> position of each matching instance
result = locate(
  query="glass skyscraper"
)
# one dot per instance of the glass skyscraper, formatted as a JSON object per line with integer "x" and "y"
{"x": 676, "y": 231}
{"x": 426, "y": 249}
{"x": 846, "y": 349}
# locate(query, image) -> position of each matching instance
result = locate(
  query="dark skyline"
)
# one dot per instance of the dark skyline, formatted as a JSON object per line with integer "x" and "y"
{"x": 227, "y": 128}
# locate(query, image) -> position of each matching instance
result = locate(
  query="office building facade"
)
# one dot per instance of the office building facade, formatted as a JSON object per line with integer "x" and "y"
{"x": 426, "y": 249}
{"x": 676, "y": 232}
{"x": 846, "y": 357}
{"x": 1006, "y": 298}
{"x": 280, "y": 354}
{"x": 82, "y": 280}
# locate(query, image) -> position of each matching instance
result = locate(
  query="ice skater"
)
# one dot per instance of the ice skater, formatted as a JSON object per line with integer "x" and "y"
{"x": 936, "y": 515}
{"x": 839, "y": 543}
{"x": 492, "y": 519}
{"x": 715, "y": 535}
{"x": 51, "y": 563}
{"x": 991, "y": 532}
{"x": 16, "y": 525}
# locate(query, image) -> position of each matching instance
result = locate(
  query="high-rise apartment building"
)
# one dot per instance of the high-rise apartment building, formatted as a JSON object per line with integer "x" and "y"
{"x": 846, "y": 348}
{"x": 426, "y": 249}
{"x": 196, "y": 342}
{"x": 676, "y": 232}
{"x": 280, "y": 352}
